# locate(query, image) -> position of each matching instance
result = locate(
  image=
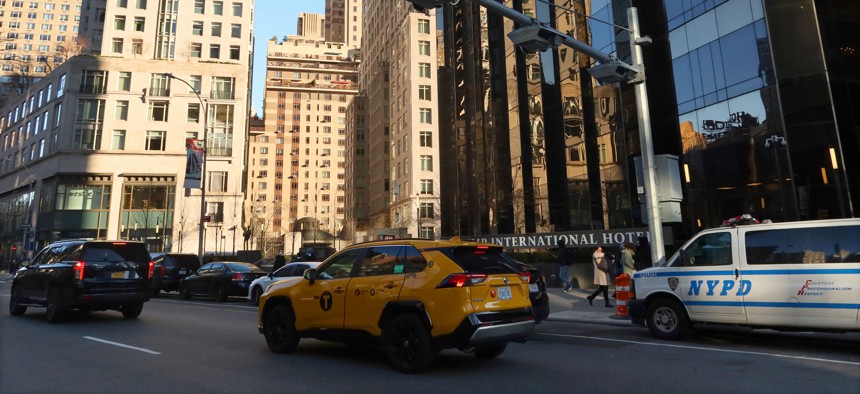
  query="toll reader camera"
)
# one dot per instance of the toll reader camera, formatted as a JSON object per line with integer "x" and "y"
{"x": 535, "y": 38}
{"x": 424, "y": 5}
{"x": 613, "y": 72}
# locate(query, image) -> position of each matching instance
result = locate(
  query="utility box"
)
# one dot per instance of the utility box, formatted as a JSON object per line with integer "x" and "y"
{"x": 669, "y": 191}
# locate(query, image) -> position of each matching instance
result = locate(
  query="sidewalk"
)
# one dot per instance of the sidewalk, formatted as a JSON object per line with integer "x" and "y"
{"x": 573, "y": 307}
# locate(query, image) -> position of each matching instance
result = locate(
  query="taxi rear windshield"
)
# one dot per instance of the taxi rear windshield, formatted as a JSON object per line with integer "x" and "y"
{"x": 480, "y": 259}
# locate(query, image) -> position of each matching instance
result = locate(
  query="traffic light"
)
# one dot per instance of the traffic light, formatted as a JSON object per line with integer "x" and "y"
{"x": 14, "y": 248}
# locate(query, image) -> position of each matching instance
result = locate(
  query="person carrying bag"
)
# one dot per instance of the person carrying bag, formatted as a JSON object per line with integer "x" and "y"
{"x": 601, "y": 277}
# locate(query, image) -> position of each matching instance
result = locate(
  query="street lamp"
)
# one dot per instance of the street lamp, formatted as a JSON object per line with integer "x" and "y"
{"x": 533, "y": 36}
{"x": 205, "y": 108}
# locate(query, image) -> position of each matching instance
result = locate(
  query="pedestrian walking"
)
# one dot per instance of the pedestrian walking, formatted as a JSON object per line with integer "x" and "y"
{"x": 601, "y": 276}
{"x": 280, "y": 261}
{"x": 627, "y": 262}
{"x": 563, "y": 260}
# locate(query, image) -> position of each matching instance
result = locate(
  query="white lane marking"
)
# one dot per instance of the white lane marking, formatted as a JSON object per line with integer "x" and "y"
{"x": 777, "y": 355}
{"x": 140, "y": 349}
{"x": 248, "y": 308}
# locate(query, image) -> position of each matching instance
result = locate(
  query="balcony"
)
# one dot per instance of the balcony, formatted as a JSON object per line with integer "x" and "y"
{"x": 92, "y": 89}
{"x": 159, "y": 92}
{"x": 222, "y": 94}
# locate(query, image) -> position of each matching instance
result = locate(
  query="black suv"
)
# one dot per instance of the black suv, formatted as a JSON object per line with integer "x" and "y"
{"x": 85, "y": 275}
{"x": 170, "y": 268}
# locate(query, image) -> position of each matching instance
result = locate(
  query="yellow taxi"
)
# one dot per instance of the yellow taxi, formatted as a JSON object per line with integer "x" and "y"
{"x": 413, "y": 296}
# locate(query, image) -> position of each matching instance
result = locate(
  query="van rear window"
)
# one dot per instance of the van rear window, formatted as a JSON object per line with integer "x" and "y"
{"x": 815, "y": 245}
{"x": 480, "y": 259}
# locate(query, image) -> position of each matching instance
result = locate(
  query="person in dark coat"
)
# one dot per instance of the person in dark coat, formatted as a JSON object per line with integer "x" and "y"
{"x": 563, "y": 260}
{"x": 280, "y": 261}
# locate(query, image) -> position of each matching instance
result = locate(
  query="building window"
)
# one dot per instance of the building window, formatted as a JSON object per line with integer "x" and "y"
{"x": 193, "y": 113}
{"x": 425, "y": 116}
{"x": 218, "y": 7}
{"x": 124, "y": 83}
{"x": 197, "y": 28}
{"x": 116, "y": 45}
{"x": 85, "y": 138}
{"x": 199, "y": 6}
{"x": 139, "y": 23}
{"x": 237, "y": 9}
{"x": 426, "y": 211}
{"x": 215, "y": 211}
{"x": 121, "y": 110}
{"x": 424, "y": 26}
{"x": 137, "y": 46}
{"x": 424, "y": 70}
{"x": 155, "y": 140}
{"x": 215, "y": 28}
{"x": 217, "y": 181}
{"x": 92, "y": 81}
{"x": 236, "y": 30}
{"x": 159, "y": 85}
{"x": 426, "y": 163}
{"x": 426, "y": 186}
{"x": 117, "y": 141}
{"x": 426, "y": 139}
{"x": 158, "y": 111}
{"x": 119, "y": 22}
{"x": 424, "y": 48}
{"x": 424, "y": 92}
{"x": 428, "y": 233}
{"x": 196, "y": 50}
{"x": 222, "y": 88}
{"x": 234, "y": 52}
{"x": 214, "y": 51}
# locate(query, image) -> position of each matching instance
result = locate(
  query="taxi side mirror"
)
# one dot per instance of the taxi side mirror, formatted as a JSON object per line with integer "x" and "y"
{"x": 310, "y": 274}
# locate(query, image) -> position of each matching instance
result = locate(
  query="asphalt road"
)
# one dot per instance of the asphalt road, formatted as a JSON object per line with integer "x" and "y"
{"x": 199, "y": 346}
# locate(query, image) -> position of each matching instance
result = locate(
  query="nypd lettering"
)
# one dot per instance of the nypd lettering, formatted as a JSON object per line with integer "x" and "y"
{"x": 719, "y": 287}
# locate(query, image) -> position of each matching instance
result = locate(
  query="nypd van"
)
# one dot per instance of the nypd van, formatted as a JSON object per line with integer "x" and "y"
{"x": 799, "y": 276}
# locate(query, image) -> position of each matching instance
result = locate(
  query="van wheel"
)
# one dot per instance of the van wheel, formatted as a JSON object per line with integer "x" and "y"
{"x": 667, "y": 319}
{"x": 279, "y": 327}
{"x": 55, "y": 313}
{"x": 486, "y": 353}
{"x": 408, "y": 344}
{"x": 14, "y": 308}
{"x": 132, "y": 310}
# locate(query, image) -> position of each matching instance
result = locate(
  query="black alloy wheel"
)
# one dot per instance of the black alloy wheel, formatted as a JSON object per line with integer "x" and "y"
{"x": 407, "y": 341}
{"x": 488, "y": 352}
{"x": 55, "y": 313}
{"x": 256, "y": 293}
{"x": 279, "y": 327}
{"x": 132, "y": 310}
{"x": 221, "y": 293}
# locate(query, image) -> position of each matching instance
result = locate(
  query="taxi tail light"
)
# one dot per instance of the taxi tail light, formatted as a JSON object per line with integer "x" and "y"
{"x": 525, "y": 276}
{"x": 79, "y": 270}
{"x": 461, "y": 280}
{"x": 151, "y": 266}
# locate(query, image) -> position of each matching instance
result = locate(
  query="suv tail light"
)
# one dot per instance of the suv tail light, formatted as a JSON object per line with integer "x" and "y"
{"x": 162, "y": 271}
{"x": 460, "y": 280}
{"x": 79, "y": 270}
{"x": 525, "y": 276}
{"x": 151, "y": 266}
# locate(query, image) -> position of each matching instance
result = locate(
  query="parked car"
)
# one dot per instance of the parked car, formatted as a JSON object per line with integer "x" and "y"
{"x": 414, "y": 297}
{"x": 220, "y": 280}
{"x": 537, "y": 291}
{"x": 170, "y": 268}
{"x": 313, "y": 253}
{"x": 289, "y": 270}
{"x": 84, "y": 275}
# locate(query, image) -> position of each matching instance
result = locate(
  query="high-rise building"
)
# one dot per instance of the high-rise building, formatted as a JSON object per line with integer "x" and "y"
{"x": 311, "y": 26}
{"x": 398, "y": 77}
{"x": 296, "y": 170}
{"x": 97, "y": 148}
{"x": 343, "y": 21}
{"x": 37, "y": 38}
{"x": 753, "y": 96}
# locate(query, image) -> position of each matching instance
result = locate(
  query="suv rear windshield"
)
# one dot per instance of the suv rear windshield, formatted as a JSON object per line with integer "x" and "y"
{"x": 116, "y": 252}
{"x": 186, "y": 261}
{"x": 480, "y": 259}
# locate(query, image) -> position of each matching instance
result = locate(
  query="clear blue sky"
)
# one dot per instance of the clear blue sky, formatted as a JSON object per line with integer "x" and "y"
{"x": 274, "y": 18}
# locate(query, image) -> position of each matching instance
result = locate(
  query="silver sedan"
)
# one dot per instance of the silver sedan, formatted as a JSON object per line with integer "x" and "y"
{"x": 290, "y": 270}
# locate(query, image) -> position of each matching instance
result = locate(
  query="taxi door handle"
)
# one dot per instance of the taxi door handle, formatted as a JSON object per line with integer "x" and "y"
{"x": 339, "y": 290}
{"x": 390, "y": 285}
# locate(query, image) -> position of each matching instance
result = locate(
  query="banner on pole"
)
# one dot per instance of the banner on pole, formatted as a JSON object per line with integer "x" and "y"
{"x": 193, "y": 163}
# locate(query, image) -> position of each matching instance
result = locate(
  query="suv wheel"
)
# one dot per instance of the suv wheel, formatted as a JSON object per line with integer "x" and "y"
{"x": 279, "y": 327}
{"x": 256, "y": 293}
{"x": 184, "y": 293}
{"x": 488, "y": 352}
{"x": 132, "y": 310}
{"x": 666, "y": 319}
{"x": 408, "y": 343}
{"x": 156, "y": 288}
{"x": 14, "y": 308}
{"x": 54, "y": 312}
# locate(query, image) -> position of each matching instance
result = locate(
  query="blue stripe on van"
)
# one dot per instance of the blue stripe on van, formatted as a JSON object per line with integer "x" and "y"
{"x": 683, "y": 273}
{"x": 816, "y": 271}
{"x": 808, "y": 305}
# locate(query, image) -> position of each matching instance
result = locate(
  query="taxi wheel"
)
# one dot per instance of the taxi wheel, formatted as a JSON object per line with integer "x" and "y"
{"x": 666, "y": 319}
{"x": 14, "y": 308}
{"x": 408, "y": 344}
{"x": 54, "y": 312}
{"x": 486, "y": 353}
{"x": 279, "y": 327}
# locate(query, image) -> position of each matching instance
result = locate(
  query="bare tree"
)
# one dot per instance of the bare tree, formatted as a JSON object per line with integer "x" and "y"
{"x": 184, "y": 226}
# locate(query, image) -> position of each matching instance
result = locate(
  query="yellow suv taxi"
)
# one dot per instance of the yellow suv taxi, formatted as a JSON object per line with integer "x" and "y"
{"x": 414, "y": 297}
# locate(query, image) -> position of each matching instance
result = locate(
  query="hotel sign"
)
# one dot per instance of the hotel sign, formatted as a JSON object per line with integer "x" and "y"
{"x": 582, "y": 239}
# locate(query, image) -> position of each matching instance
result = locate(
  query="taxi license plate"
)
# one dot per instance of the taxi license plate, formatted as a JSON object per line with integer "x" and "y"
{"x": 533, "y": 288}
{"x": 117, "y": 275}
{"x": 505, "y": 293}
